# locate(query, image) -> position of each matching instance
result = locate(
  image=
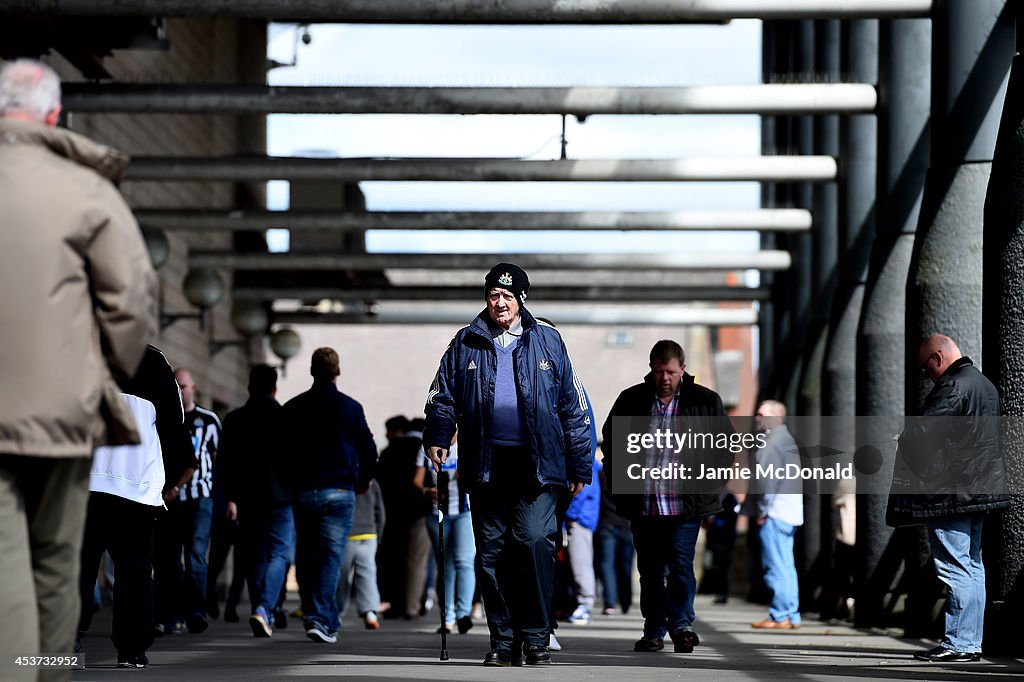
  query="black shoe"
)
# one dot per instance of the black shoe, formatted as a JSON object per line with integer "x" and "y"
{"x": 138, "y": 661}
{"x": 230, "y": 613}
{"x": 943, "y": 655}
{"x": 720, "y": 599}
{"x": 684, "y": 640}
{"x": 196, "y": 623}
{"x": 536, "y": 654}
{"x": 498, "y": 658}
{"x": 280, "y": 619}
{"x": 464, "y": 624}
{"x": 213, "y": 609}
{"x": 649, "y": 644}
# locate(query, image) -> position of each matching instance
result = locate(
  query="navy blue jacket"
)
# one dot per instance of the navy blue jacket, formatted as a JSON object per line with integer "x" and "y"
{"x": 551, "y": 397}
{"x": 331, "y": 445}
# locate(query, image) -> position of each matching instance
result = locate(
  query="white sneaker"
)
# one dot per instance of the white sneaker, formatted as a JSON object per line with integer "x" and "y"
{"x": 553, "y": 643}
{"x": 370, "y": 621}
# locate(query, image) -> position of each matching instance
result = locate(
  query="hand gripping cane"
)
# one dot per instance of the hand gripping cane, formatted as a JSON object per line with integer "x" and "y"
{"x": 442, "y": 505}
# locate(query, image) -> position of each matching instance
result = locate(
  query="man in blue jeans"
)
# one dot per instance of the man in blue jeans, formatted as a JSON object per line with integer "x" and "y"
{"x": 953, "y": 450}
{"x": 251, "y": 471}
{"x": 333, "y": 457}
{"x": 779, "y": 511}
{"x": 665, "y": 518}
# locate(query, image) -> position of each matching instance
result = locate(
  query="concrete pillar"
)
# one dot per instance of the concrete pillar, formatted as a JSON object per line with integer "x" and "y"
{"x": 904, "y": 70}
{"x": 1003, "y": 334}
{"x": 769, "y": 316}
{"x": 972, "y": 46}
{"x": 800, "y": 246}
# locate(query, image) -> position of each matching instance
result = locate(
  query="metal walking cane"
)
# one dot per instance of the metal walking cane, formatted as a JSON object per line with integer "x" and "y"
{"x": 442, "y": 502}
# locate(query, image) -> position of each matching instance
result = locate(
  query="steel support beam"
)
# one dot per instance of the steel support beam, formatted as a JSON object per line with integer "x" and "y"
{"x": 475, "y": 12}
{"x": 637, "y": 294}
{"x": 754, "y": 260}
{"x": 841, "y": 98}
{"x": 775, "y": 220}
{"x": 591, "y": 316}
{"x": 238, "y": 169}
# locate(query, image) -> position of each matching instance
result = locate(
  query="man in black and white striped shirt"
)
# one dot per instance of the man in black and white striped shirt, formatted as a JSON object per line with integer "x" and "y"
{"x": 181, "y": 592}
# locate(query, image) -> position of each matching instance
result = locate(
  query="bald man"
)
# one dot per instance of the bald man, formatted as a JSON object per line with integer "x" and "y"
{"x": 960, "y": 478}
{"x": 780, "y": 511}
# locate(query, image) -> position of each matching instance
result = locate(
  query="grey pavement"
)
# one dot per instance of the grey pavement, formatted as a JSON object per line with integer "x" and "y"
{"x": 602, "y": 650}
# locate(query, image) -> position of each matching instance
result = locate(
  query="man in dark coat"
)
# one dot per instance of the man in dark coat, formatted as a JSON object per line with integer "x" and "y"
{"x": 506, "y": 383}
{"x": 252, "y": 468}
{"x": 952, "y": 454}
{"x": 666, "y": 518}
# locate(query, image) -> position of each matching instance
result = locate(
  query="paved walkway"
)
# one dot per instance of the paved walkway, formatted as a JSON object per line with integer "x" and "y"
{"x": 603, "y": 650}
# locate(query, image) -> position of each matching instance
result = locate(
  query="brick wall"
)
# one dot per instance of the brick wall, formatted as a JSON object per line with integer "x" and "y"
{"x": 202, "y": 51}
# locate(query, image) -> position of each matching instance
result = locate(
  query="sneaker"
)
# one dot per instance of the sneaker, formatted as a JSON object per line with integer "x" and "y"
{"x": 139, "y": 661}
{"x": 318, "y": 635}
{"x": 196, "y": 623}
{"x": 159, "y": 629}
{"x": 175, "y": 627}
{"x": 581, "y": 616}
{"x": 259, "y": 621}
{"x": 553, "y": 643}
{"x": 371, "y": 621}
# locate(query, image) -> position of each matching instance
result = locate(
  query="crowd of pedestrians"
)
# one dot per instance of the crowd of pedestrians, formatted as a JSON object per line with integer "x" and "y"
{"x": 117, "y": 456}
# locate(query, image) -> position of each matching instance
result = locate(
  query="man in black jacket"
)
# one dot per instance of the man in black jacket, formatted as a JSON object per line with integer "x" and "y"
{"x": 252, "y": 466}
{"x": 953, "y": 450}
{"x": 666, "y": 518}
{"x": 332, "y": 458}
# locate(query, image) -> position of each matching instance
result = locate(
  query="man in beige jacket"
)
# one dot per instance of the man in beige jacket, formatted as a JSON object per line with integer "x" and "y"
{"x": 76, "y": 313}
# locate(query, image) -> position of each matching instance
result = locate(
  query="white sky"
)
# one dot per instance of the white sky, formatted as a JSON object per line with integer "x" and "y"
{"x": 373, "y": 55}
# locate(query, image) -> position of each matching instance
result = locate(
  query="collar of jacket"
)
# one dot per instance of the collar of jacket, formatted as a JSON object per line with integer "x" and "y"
{"x": 484, "y": 326}
{"x": 107, "y": 161}
{"x": 957, "y": 364}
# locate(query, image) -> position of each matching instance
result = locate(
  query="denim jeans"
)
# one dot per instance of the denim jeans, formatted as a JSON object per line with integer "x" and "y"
{"x": 664, "y": 552}
{"x": 271, "y": 544}
{"x": 956, "y": 550}
{"x": 779, "y": 567}
{"x": 459, "y": 558}
{"x": 616, "y": 565}
{"x": 182, "y": 592}
{"x": 323, "y": 520}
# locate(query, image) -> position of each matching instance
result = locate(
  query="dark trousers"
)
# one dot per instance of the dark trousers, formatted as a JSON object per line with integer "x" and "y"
{"x": 616, "y": 564}
{"x": 665, "y": 549}
{"x": 183, "y": 536}
{"x": 124, "y": 529}
{"x": 224, "y": 534}
{"x": 516, "y": 531}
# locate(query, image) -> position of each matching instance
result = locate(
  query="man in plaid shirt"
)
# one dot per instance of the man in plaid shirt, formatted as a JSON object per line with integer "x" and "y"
{"x": 666, "y": 519}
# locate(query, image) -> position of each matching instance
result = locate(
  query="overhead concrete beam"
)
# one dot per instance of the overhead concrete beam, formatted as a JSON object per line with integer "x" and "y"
{"x": 775, "y": 220}
{"x": 591, "y": 316}
{"x": 691, "y": 260}
{"x": 244, "y": 169}
{"x": 799, "y": 98}
{"x": 637, "y": 294}
{"x": 475, "y": 12}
